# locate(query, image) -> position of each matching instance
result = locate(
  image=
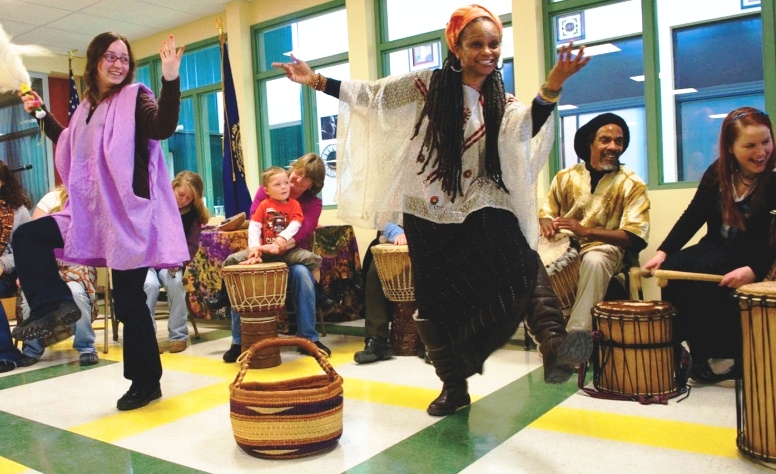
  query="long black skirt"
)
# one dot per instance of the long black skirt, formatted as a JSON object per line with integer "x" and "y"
{"x": 473, "y": 280}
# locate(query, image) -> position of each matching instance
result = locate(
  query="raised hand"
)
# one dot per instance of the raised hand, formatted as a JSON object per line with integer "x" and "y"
{"x": 31, "y": 101}
{"x": 297, "y": 70}
{"x": 567, "y": 66}
{"x": 171, "y": 59}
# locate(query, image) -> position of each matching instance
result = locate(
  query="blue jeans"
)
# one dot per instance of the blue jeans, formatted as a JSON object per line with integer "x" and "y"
{"x": 8, "y": 350}
{"x": 84, "y": 332}
{"x": 301, "y": 294}
{"x": 177, "y": 324}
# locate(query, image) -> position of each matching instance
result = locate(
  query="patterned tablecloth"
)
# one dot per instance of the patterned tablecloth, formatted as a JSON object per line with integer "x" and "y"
{"x": 340, "y": 271}
{"x": 204, "y": 270}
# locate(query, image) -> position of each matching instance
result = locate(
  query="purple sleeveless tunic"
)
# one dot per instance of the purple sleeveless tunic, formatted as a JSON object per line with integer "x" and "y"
{"x": 104, "y": 223}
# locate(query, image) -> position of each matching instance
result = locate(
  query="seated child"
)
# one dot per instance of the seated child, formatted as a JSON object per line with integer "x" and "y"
{"x": 278, "y": 216}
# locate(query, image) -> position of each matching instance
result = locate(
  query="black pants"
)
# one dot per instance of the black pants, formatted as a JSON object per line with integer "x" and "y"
{"x": 707, "y": 317}
{"x": 34, "y": 244}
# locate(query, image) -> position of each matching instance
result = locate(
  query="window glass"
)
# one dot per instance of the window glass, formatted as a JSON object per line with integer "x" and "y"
{"x": 412, "y": 17}
{"x": 21, "y": 144}
{"x": 611, "y": 82}
{"x": 717, "y": 68}
{"x": 143, "y": 74}
{"x": 201, "y": 67}
{"x": 284, "y": 113}
{"x": 305, "y": 39}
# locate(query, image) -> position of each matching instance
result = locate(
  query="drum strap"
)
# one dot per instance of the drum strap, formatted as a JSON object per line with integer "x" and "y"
{"x": 682, "y": 367}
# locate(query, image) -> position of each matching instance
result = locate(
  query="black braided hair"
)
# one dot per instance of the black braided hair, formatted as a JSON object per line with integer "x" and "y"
{"x": 444, "y": 136}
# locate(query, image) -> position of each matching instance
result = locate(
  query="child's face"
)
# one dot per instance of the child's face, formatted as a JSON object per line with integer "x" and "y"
{"x": 278, "y": 187}
{"x": 183, "y": 196}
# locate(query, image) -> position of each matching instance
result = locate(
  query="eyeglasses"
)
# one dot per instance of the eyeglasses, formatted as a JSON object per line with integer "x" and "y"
{"x": 112, "y": 58}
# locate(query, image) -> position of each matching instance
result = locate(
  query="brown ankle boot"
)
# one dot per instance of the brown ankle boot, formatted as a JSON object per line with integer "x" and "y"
{"x": 561, "y": 352}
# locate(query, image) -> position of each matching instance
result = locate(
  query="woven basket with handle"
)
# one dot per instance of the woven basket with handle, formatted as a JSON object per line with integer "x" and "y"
{"x": 286, "y": 419}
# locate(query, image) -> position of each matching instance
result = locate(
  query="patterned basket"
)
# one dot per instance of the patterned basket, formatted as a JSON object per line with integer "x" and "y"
{"x": 287, "y": 419}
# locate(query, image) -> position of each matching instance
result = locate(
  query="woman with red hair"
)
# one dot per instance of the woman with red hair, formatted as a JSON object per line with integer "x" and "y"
{"x": 734, "y": 200}
{"x": 456, "y": 158}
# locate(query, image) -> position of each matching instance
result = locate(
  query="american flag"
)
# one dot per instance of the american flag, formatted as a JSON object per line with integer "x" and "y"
{"x": 74, "y": 101}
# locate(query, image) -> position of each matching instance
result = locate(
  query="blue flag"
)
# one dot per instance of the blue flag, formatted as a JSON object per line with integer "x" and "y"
{"x": 236, "y": 196}
{"x": 74, "y": 100}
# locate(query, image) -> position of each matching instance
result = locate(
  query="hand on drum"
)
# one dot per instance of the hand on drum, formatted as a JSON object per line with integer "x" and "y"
{"x": 571, "y": 225}
{"x": 254, "y": 256}
{"x": 738, "y": 277}
{"x": 546, "y": 227}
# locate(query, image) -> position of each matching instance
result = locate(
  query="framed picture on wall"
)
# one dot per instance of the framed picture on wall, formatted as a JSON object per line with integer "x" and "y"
{"x": 424, "y": 56}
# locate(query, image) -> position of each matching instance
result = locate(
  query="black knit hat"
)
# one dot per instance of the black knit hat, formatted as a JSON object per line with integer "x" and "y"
{"x": 586, "y": 133}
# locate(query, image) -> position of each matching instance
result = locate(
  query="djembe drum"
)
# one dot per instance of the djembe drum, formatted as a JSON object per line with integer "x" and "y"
{"x": 755, "y": 392}
{"x": 258, "y": 293}
{"x": 395, "y": 272}
{"x": 560, "y": 256}
{"x": 634, "y": 349}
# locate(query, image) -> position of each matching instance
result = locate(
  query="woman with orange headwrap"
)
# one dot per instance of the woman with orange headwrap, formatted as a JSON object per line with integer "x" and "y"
{"x": 457, "y": 158}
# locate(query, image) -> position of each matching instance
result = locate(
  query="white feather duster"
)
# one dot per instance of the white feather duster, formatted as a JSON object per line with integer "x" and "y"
{"x": 13, "y": 74}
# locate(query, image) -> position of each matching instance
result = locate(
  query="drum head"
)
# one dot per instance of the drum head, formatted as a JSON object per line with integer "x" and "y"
{"x": 762, "y": 288}
{"x": 257, "y": 267}
{"x": 553, "y": 248}
{"x": 390, "y": 248}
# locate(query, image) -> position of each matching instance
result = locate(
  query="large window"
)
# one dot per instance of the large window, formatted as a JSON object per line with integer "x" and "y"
{"x": 718, "y": 66}
{"x": 672, "y": 69}
{"x": 294, "y": 119}
{"x": 611, "y": 82}
{"x": 21, "y": 143}
{"x": 197, "y": 144}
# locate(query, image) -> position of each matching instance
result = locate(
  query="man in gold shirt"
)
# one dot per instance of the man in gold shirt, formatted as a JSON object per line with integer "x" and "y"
{"x": 604, "y": 205}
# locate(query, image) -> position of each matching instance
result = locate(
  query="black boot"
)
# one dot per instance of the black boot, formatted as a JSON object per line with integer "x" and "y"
{"x": 451, "y": 369}
{"x": 220, "y": 299}
{"x": 562, "y": 352}
{"x": 376, "y": 349}
{"x": 455, "y": 395}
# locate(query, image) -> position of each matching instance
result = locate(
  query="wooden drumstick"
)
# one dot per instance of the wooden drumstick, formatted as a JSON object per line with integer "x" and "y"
{"x": 665, "y": 275}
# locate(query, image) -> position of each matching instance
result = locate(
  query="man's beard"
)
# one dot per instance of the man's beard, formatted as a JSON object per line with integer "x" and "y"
{"x": 607, "y": 165}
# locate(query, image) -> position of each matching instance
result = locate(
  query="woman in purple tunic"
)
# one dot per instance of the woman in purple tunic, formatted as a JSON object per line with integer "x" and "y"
{"x": 121, "y": 213}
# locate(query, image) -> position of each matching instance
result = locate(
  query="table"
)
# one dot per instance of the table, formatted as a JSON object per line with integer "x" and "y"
{"x": 203, "y": 276}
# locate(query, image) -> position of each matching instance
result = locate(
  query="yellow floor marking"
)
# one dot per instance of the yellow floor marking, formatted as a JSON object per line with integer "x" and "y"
{"x": 392, "y": 394}
{"x": 166, "y": 410}
{"x": 682, "y": 436}
{"x": 9, "y": 467}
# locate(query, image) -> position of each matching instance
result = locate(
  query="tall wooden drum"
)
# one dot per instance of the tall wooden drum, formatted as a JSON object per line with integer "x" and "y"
{"x": 395, "y": 272}
{"x": 756, "y": 391}
{"x": 635, "y": 349}
{"x": 258, "y": 294}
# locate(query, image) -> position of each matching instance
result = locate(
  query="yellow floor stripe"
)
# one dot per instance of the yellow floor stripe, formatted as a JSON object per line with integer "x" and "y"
{"x": 125, "y": 424}
{"x": 9, "y": 467}
{"x": 683, "y": 436}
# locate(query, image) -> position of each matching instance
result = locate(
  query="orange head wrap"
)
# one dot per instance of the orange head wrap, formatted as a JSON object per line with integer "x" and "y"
{"x": 462, "y": 17}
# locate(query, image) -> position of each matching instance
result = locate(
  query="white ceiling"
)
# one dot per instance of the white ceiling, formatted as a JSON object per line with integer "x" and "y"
{"x": 64, "y": 25}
